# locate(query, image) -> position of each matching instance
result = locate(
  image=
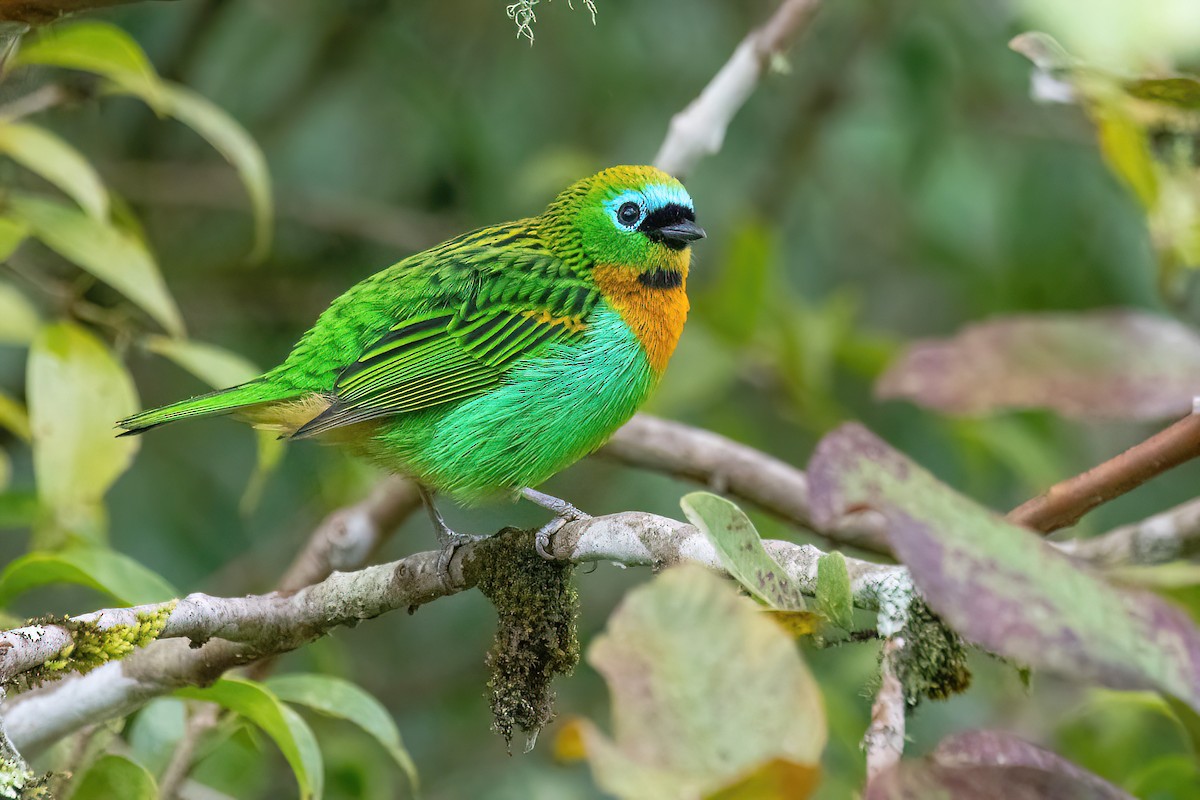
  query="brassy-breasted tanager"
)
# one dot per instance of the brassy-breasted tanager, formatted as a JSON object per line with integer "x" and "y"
{"x": 486, "y": 364}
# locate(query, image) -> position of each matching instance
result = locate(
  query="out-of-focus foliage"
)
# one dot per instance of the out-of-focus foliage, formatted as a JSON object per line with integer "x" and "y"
{"x": 899, "y": 183}
{"x": 687, "y": 662}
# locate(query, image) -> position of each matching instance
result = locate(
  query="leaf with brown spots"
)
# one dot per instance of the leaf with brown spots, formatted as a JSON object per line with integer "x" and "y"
{"x": 741, "y": 550}
{"x": 1002, "y": 586}
{"x": 1096, "y": 365}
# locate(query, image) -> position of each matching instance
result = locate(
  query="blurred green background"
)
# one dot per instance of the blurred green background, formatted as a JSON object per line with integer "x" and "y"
{"x": 895, "y": 182}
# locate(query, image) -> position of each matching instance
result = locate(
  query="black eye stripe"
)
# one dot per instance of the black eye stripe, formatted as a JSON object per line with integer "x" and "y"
{"x": 667, "y": 215}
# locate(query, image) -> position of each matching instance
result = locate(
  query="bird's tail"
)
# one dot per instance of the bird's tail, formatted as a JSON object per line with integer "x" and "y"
{"x": 222, "y": 401}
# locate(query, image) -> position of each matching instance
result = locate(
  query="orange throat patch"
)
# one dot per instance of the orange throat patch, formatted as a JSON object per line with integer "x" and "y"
{"x": 655, "y": 314}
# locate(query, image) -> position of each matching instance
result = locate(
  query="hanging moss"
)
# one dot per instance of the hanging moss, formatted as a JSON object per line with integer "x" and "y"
{"x": 536, "y": 637}
{"x": 933, "y": 661}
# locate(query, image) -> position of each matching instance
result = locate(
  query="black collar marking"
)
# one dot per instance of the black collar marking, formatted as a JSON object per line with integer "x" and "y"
{"x": 661, "y": 279}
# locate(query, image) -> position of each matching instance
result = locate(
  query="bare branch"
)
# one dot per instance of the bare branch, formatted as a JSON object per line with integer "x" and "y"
{"x": 1064, "y": 503}
{"x": 1173, "y": 534}
{"x": 735, "y": 469}
{"x": 244, "y": 629}
{"x": 40, "y": 12}
{"x": 699, "y": 130}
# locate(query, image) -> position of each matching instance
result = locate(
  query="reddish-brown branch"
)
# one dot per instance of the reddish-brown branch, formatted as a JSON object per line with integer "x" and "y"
{"x": 1064, "y": 503}
{"x": 40, "y": 12}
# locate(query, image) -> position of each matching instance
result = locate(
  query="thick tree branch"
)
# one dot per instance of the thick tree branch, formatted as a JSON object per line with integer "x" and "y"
{"x": 239, "y": 630}
{"x": 1064, "y": 503}
{"x": 699, "y": 130}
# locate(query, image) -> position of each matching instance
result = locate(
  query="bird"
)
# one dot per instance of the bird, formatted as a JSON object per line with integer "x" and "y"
{"x": 484, "y": 365}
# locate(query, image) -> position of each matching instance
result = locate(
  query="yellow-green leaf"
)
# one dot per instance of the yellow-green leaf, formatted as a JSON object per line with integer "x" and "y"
{"x": 291, "y": 734}
{"x": 76, "y": 390}
{"x": 96, "y": 47}
{"x": 99, "y": 568}
{"x": 19, "y": 320}
{"x": 12, "y": 233}
{"x": 59, "y": 163}
{"x": 14, "y": 416}
{"x": 232, "y": 141}
{"x": 112, "y": 255}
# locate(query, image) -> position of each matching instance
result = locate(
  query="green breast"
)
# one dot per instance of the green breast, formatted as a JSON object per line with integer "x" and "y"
{"x": 551, "y": 410}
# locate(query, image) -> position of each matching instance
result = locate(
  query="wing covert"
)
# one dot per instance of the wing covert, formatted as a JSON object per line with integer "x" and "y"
{"x": 462, "y": 347}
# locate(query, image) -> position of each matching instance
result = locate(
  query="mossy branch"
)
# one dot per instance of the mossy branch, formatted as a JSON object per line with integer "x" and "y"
{"x": 234, "y": 631}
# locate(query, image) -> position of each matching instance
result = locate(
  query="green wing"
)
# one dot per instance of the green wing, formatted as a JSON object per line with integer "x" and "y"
{"x": 495, "y": 306}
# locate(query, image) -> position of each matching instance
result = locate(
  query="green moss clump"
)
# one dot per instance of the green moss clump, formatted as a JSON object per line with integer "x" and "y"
{"x": 536, "y": 636}
{"x": 933, "y": 662}
{"x": 93, "y": 646}
{"x": 21, "y": 783}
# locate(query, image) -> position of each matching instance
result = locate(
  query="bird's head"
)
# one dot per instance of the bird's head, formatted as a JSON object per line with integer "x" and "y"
{"x": 636, "y": 217}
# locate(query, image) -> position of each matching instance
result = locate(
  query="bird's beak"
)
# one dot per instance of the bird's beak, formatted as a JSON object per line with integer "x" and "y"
{"x": 680, "y": 233}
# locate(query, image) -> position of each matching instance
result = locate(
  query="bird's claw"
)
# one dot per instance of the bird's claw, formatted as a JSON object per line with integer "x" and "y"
{"x": 541, "y": 539}
{"x": 450, "y": 541}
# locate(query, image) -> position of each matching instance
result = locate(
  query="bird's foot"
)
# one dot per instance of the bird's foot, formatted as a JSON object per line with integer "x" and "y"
{"x": 564, "y": 512}
{"x": 449, "y": 539}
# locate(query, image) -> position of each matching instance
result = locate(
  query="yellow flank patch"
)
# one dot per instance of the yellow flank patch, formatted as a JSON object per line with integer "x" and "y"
{"x": 655, "y": 315}
{"x": 572, "y": 324}
{"x": 285, "y": 417}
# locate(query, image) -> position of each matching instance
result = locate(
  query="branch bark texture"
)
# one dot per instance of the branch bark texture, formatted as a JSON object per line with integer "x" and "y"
{"x": 235, "y": 631}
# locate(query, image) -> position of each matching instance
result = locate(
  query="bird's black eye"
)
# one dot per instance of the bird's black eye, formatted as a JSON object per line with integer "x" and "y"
{"x": 628, "y": 214}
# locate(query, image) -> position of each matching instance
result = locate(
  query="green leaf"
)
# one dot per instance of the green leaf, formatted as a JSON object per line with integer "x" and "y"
{"x": 741, "y": 550}
{"x": 99, "y": 568}
{"x": 12, "y": 233}
{"x": 288, "y": 729}
{"x": 19, "y": 320}
{"x": 834, "y": 596}
{"x": 76, "y": 390}
{"x": 59, "y": 163}
{"x": 18, "y": 509}
{"x": 705, "y": 691}
{"x": 344, "y": 700}
{"x": 14, "y": 417}
{"x": 113, "y": 255}
{"x": 214, "y": 365}
{"x": 236, "y": 145}
{"x": 1002, "y": 586}
{"x": 96, "y": 47}
{"x": 219, "y": 368}
{"x": 113, "y": 776}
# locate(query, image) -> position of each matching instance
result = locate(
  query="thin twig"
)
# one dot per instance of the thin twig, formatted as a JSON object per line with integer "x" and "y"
{"x": 204, "y": 717}
{"x": 884, "y": 739}
{"x": 699, "y": 130}
{"x": 1064, "y": 503}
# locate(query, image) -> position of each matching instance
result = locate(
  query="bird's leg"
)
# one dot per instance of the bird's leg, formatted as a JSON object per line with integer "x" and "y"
{"x": 449, "y": 539}
{"x": 564, "y": 512}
